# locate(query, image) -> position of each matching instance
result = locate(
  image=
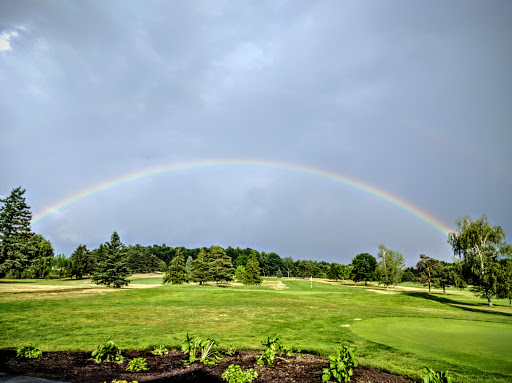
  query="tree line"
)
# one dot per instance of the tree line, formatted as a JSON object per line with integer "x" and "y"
{"x": 482, "y": 259}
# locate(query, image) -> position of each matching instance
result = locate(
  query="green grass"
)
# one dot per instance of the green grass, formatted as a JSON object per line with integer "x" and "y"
{"x": 80, "y": 316}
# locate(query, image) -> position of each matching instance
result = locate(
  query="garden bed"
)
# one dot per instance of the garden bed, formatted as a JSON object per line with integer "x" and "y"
{"x": 77, "y": 367}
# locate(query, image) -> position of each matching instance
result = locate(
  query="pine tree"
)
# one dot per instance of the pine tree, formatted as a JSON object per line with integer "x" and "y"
{"x": 199, "y": 271}
{"x": 111, "y": 269}
{"x": 15, "y": 250}
{"x": 177, "y": 272}
{"x": 252, "y": 271}
{"x": 220, "y": 266}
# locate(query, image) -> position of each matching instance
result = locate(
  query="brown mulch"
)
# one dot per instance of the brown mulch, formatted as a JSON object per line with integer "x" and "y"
{"x": 77, "y": 367}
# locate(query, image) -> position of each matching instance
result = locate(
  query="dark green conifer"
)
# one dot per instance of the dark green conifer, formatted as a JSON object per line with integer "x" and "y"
{"x": 111, "y": 269}
{"x": 177, "y": 272}
{"x": 220, "y": 266}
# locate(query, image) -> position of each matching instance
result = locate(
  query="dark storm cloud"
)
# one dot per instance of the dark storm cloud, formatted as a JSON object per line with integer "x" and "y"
{"x": 412, "y": 98}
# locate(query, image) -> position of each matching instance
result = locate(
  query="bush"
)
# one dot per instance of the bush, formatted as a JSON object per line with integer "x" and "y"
{"x": 432, "y": 376}
{"x": 236, "y": 374}
{"x": 340, "y": 366}
{"x": 137, "y": 364}
{"x": 29, "y": 352}
{"x": 122, "y": 381}
{"x": 107, "y": 352}
{"x": 160, "y": 350}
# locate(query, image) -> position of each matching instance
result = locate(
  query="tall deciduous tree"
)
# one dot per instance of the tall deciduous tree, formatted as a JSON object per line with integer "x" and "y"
{"x": 177, "y": 272}
{"x": 480, "y": 246}
{"x": 42, "y": 257}
{"x": 199, "y": 268}
{"x": 219, "y": 265}
{"x": 15, "y": 249}
{"x": 364, "y": 268}
{"x": 80, "y": 261}
{"x": 391, "y": 265}
{"x": 111, "y": 269}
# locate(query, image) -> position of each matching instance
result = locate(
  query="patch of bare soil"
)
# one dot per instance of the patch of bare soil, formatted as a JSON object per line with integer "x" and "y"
{"x": 77, "y": 367}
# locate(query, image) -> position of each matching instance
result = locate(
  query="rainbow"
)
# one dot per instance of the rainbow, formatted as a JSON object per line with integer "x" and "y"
{"x": 303, "y": 169}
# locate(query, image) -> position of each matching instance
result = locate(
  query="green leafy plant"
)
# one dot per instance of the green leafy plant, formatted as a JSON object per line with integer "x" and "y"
{"x": 107, "y": 352}
{"x": 432, "y": 376}
{"x": 340, "y": 366}
{"x": 137, "y": 364}
{"x": 160, "y": 350}
{"x": 30, "y": 352}
{"x": 200, "y": 350}
{"x": 236, "y": 374}
{"x": 273, "y": 347}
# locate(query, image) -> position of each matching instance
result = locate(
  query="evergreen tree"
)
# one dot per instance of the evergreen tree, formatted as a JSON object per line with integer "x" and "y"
{"x": 429, "y": 270}
{"x": 111, "y": 268}
{"x": 199, "y": 269}
{"x": 79, "y": 261}
{"x": 15, "y": 250}
{"x": 177, "y": 272}
{"x": 252, "y": 274}
{"x": 219, "y": 265}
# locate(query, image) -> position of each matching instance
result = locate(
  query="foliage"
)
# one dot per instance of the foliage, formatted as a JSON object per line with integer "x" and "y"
{"x": 480, "y": 246}
{"x": 251, "y": 275}
{"x": 199, "y": 270}
{"x": 137, "y": 364}
{"x": 431, "y": 376}
{"x": 111, "y": 267}
{"x": 160, "y": 350}
{"x": 177, "y": 272}
{"x": 107, "y": 352}
{"x": 29, "y": 352}
{"x": 364, "y": 268}
{"x": 200, "y": 350}
{"x": 429, "y": 270}
{"x": 220, "y": 267}
{"x": 80, "y": 262}
{"x": 273, "y": 347}
{"x": 391, "y": 265}
{"x": 16, "y": 252}
{"x": 340, "y": 366}
{"x": 236, "y": 374}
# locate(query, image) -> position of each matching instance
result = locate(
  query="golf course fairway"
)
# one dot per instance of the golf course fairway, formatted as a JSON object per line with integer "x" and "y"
{"x": 483, "y": 345}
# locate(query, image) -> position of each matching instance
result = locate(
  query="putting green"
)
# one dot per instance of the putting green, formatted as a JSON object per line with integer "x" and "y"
{"x": 483, "y": 345}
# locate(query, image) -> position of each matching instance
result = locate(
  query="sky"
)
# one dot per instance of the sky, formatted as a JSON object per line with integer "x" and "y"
{"x": 313, "y": 129}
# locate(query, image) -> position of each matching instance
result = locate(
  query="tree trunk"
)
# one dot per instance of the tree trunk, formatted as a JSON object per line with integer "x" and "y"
{"x": 490, "y": 302}
{"x": 429, "y": 291}
{"x": 444, "y": 289}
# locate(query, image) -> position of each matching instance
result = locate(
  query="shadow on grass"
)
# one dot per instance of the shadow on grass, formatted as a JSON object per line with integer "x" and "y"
{"x": 472, "y": 307}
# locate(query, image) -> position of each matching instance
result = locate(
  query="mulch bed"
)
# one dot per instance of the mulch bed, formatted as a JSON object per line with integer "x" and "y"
{"x": 77, "y": 367}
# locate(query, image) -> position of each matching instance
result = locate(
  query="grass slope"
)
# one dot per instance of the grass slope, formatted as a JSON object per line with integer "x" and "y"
{"x": 76, "y": 315}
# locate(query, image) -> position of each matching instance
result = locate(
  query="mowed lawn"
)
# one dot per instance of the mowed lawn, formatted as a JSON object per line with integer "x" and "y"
{"x": 400, "y": 330}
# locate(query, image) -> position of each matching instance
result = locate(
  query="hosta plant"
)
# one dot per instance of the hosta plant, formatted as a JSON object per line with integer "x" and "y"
{"x": 107, "y": 352}
{"x": 432, "y": 376}
{"x": 273, "y": 347}
{"x": 30, "y": 352}
{"x": 200, "y": 350}
{"x": 137, "y": 364}
{"x": 160, "y": 350}
{"x": 340, "y": 366}
{"x": 236, "y": 374}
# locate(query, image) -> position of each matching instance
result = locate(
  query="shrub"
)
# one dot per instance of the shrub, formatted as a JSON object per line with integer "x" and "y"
{"x": 201, "y": 350}
{"x": 107, "y": 352}
{"x": 273, "y": 346}
{"x": 236, "y": 374}
{"x": 340, "y": 366}
{"x": 160, "y": 350}
{"x": 122, "y": 381}
{"x": 137, "y": 364}
{"x": 30, "y": 352}
{"x": 432, "y": 376}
